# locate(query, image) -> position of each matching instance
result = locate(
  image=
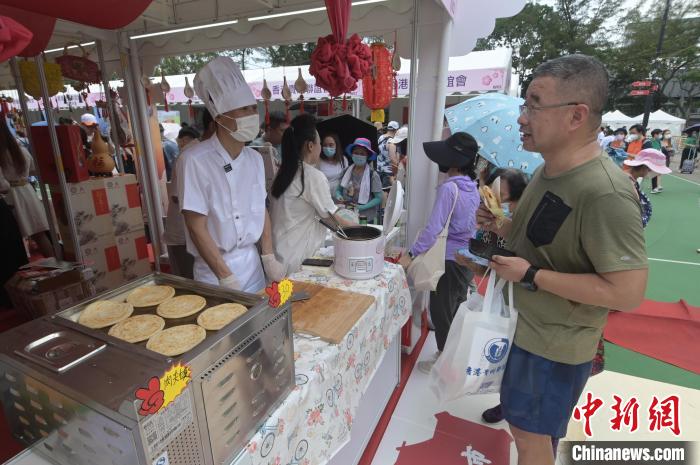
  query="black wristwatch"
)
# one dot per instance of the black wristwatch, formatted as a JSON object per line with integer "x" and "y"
{"x": 528, "y": 281}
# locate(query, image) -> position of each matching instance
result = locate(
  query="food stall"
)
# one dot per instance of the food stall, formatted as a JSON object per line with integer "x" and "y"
{"x": 342, "y": 379}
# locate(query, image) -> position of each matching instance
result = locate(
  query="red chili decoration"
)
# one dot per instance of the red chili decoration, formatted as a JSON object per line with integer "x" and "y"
{"x": 152, "y": 397}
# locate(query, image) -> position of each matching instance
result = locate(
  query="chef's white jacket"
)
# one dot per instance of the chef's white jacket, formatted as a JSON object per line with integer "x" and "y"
{"x": 231, "y": 194}
{"x": 296, "y": 233}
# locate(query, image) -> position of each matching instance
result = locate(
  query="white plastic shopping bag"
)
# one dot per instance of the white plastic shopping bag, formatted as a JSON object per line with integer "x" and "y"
{"x": 478, "y": 344}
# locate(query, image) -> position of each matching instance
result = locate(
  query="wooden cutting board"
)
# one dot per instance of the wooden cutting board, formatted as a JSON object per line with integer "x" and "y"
{"x": 329, "y": 313}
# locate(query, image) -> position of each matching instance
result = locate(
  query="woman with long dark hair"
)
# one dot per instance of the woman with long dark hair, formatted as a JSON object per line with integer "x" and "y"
{"x": 16, "y": 164}
{"x": 300, "y": 194}
{"x": 333, "y": 162}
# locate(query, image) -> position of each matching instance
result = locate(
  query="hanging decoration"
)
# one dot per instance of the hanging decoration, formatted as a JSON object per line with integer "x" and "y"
{"x": 30, "y": 78}
{"x": 301, "y": 87}
{"x": 189, "y": 93}
{"x": 80, "y": 69}
{"x": 266, "y": 96}
{"x": 165, "y": 88}
{"x": 146, "y": 82}
{"x": 396, "y": 66}
{"x": 287, "y": 96}
{"x": 377, "y": 84}
{"x": 337, "y": 63}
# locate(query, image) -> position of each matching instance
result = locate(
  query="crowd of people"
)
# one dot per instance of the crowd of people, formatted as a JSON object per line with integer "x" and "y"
{"x": 624, "y": 144}
{"x": 245, "y": 203}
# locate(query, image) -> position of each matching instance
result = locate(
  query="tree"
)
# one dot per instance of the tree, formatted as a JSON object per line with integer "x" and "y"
{"x": 542, "y": 32}
{"x": 289, "y": 55}
{"x": 193, "y": 62}
{"x": 635, "y": 59}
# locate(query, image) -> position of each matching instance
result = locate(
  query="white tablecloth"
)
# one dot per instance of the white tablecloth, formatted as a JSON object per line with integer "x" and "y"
{"x": 316, "y": 418}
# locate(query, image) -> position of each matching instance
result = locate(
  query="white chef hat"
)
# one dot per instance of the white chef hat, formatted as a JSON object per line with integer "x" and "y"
{"x": 221, "y": 86}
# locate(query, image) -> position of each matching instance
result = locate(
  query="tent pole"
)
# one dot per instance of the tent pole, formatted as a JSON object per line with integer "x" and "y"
{"x": 110, "y": 109}
{"x": 138, "y": 138}
{"x": 48, "y": 210}
{"x": 429, "y": 64}
{"x": 150, "y": 172}
{"x": 78, "y": 253}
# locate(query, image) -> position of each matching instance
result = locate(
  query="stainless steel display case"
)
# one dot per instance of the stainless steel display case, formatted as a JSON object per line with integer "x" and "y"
{"x": 70, "y": 391}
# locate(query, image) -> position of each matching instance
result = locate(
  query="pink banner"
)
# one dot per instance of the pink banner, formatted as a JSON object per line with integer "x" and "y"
{"x": 480, "y": 80}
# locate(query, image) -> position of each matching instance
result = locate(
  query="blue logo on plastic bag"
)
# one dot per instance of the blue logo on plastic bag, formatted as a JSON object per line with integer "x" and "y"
{"x": 496, "y": 349}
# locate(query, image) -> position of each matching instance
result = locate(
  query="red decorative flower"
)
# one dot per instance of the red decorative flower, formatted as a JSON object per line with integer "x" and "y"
{"x": 152, "y": 397}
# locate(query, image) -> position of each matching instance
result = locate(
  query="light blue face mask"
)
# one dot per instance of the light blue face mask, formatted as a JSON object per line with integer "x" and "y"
{"x": 359, "y": 160}
{"x": 506, "y": 209}
{"x": 329, "y": 151}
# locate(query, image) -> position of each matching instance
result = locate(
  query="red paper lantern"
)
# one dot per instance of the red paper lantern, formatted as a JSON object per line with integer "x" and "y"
{"x": 378, "y": 82}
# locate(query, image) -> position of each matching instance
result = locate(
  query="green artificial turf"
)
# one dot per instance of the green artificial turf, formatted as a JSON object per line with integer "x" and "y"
{"x": 672, "y": 234}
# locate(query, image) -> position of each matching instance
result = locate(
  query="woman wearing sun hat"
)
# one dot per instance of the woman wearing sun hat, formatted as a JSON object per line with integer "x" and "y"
{"x": 647, "y": 160}
{"x": 361, "y": 184}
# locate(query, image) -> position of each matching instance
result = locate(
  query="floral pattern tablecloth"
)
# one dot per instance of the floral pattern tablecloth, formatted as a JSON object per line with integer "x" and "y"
{"x": 315, "y": 420}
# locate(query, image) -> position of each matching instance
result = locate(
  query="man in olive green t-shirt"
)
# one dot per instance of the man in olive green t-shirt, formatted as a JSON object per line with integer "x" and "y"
{"x": 577, "y": 233}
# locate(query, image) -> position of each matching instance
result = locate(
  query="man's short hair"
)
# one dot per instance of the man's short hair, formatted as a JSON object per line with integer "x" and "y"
{"x": 621, "y": 131}
{"x": 639, "y": 128}
{"x": 582, "y": 78}
{"x": 276, "y": 119}
{"x": 655, "y": 132}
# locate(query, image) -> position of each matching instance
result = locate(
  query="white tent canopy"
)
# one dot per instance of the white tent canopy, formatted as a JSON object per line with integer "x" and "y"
{"x": 617, "y": 119}
{"x": 662, "y": 120}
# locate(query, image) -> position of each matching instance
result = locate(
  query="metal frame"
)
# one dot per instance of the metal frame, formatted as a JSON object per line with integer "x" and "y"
{"x": 48, "y": 208}
{"x": 39, "y": 59}
{"x": 141, "y": 110}
{"x": 110, "y": 109}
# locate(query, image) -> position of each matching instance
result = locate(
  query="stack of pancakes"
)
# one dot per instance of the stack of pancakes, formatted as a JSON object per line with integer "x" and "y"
{"x": 173, "y": 341}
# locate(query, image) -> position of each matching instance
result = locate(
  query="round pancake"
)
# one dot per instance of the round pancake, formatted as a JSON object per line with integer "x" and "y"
{"x": 137, "y": 328}
{"x": 176, "y": 340}
{"x": 181, "y": 306}
{"x": 149, "y": 296}
{"x": 103, "y": 313}
{"x": 215, "y": 318}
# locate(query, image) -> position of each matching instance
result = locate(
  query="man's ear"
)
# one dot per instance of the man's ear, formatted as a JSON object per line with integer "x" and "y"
{"x": 579, "y": 116}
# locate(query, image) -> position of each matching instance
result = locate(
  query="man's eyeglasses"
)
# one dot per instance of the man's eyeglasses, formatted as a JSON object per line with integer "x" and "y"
{"x": 527, "y": 108}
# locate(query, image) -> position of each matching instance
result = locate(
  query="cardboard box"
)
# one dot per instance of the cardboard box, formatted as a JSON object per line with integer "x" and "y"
{"x": 37, "y": 298}
{"x": 101, "y": 207}
{"x": 118, "y": 259}
{"x": 125, "y": 204}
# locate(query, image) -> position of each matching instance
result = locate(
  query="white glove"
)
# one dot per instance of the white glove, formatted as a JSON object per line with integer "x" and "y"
{"x": 230, "y": 282}
{"x": 274, "y": 270}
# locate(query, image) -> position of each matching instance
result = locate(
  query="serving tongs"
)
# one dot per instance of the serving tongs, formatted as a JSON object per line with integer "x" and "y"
{"x": 339, "y": 227}
{"x": 333, "y": 226}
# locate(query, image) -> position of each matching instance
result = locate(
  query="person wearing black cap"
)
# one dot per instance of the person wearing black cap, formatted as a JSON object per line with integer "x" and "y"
{"x": 456, "y": 201}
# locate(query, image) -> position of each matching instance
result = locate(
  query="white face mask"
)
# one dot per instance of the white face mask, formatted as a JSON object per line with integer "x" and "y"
{"x": 667, "y": 136}
{"x": 632, "y": 137}
{"x": 248, "y": 127}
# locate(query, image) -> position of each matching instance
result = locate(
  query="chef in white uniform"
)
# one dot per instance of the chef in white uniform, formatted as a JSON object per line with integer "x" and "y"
{"x": 222, "y": 187}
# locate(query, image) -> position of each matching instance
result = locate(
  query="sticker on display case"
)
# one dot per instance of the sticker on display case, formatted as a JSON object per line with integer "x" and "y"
{"x": 161, "y": 428}
{"x": 279, "y": 293}
{"x": 162, "y": 459}
{"x": 160, "y": 392}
